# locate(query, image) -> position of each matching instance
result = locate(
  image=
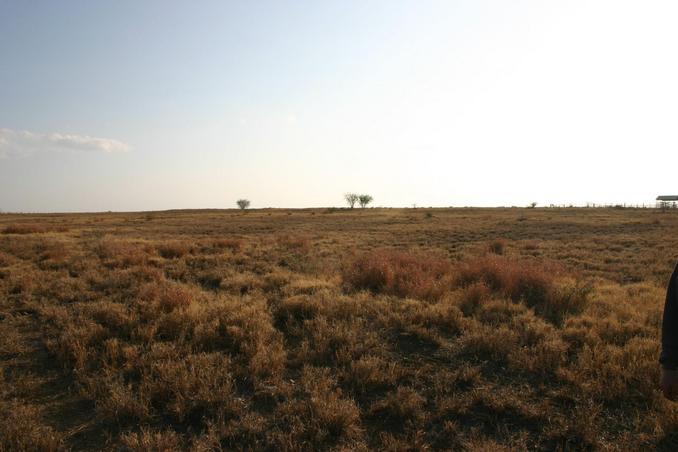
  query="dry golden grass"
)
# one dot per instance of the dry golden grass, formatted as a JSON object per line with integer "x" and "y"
{"x": 387, "y": 329}
{"x": 32, "y": 228}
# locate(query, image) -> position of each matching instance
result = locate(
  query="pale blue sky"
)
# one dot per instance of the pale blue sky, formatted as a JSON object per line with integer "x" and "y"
{"x": 128, "y": 105}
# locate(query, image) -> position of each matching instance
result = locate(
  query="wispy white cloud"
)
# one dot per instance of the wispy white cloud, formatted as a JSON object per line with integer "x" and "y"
{"x": 15, "y": 143}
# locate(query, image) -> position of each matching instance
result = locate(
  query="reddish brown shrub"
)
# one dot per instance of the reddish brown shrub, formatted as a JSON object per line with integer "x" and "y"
{"x": 532, "y": 283}
{"x": 531, "y": 245}
{"x": 487, "y": 269}
{"x": 474, "y": 295}
{"x": 399, "y": 273}
{"x": 173, "y": 250}
{"x": 497, "y": 246}
{"x": 517, "y": 280}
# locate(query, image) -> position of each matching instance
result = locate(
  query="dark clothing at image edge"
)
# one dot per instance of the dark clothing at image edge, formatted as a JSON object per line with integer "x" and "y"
{"x": 669, "y": 354}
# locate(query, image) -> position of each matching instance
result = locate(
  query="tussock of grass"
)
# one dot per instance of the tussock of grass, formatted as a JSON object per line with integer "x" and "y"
{"x": 166, "y": 296}
{"x": 399, "y": 406}
{"x": 22, "y": 430}
{"x": 399, "y": 273}
{"x": 152, "y": 441}
{"x": 121, "y": 253}
{"x": 497, "y": 246}
{"x": 234, "y": 245}
{"x": 173, "y": 249}
{"x": 369, "y": 373}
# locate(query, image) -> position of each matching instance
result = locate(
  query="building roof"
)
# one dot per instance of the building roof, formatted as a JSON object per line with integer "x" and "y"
{"x": 667, "y": 198}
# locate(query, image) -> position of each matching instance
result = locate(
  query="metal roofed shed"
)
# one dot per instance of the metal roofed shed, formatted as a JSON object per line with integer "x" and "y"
{"x": 667, "y": 201}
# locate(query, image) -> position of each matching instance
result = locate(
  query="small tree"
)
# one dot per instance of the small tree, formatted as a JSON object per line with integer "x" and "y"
{"x": 351, "y": 199}
{"x": 243, "y": 203}
{"x": 532, "y": 205}
{"x": 364, "y": 200}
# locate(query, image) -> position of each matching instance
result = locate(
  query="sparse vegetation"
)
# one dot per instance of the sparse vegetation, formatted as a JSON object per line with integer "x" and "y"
{"x": 351, "y": 199}
{"x": 243, "y": 203}
{"x": 374, "y": 330}
{"x": 364, "y": 200}
{"x": 32, "y": 229}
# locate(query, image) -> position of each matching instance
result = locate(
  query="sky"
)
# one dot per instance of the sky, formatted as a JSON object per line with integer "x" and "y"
{"x": 127, "y": 105}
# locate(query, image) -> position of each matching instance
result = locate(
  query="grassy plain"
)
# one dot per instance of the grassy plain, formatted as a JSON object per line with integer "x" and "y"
{"x": 330, "y": 329}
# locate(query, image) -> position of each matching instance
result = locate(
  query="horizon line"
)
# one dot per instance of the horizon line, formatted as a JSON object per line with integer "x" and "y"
{"x": 415, "y": 207}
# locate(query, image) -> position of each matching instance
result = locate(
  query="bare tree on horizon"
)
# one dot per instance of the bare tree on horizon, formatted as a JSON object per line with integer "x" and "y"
{"x": 351, "y": 199}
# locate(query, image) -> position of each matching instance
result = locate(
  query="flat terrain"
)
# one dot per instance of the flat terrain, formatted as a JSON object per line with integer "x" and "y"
{"x": 335, "y": 329}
